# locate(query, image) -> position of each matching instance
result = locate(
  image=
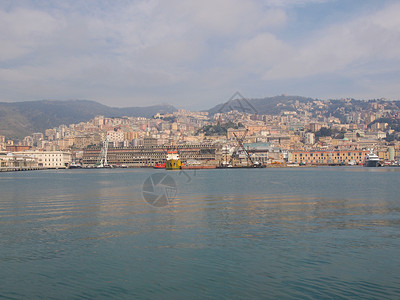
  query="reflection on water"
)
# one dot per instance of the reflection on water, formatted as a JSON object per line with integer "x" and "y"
{"x": 291, "y": 233}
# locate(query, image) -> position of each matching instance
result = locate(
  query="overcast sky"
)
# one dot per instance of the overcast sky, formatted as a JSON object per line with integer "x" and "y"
{"x": 195, "y": 54}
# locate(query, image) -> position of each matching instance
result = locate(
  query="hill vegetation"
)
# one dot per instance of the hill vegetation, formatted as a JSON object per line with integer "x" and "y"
{"x": 20, "y": 119}
{"x": 219, "y": 129}
{"x": 268, "y": 106}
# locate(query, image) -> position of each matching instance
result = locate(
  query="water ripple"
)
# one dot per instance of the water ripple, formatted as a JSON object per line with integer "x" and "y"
{"x": 91, "y": 235}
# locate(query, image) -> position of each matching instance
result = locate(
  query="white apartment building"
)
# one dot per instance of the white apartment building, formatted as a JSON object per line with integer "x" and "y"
{"x": 115, "y": 137}
{"x": 309, "y": 138}
{"x": 50, "y": 159}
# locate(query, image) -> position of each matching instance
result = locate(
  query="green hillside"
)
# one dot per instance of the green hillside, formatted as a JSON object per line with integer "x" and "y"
{"x": 20, "y": 119}
{"x": 269, "y": 105}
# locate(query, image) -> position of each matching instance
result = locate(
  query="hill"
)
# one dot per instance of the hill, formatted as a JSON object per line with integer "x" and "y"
{"x": 20, "y": 119}
{"x": 269, "y": 105}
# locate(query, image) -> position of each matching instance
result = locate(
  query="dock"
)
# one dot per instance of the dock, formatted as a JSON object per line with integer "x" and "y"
{"x": 16, "y": 169}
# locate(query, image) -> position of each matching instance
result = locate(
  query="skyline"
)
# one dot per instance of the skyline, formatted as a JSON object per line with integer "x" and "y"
{"x": 194, "y": 56}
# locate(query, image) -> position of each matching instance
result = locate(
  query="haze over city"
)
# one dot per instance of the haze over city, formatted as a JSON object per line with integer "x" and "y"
{"x": 196, "y": 54}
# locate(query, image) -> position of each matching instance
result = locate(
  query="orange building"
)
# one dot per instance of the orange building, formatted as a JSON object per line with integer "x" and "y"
{"x": 329, "y": 157}
{"x": 12, "y": 148}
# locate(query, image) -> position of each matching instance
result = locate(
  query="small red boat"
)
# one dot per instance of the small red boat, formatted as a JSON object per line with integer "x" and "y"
{"x": 159, "y": 166}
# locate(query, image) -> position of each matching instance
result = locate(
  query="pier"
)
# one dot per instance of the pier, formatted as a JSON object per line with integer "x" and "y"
{"x": 16, "y": 169}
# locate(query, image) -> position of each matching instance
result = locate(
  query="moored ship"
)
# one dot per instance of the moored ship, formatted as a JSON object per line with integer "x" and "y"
{"x": 173, "y": 161}
{"x": 371, "y": 160}
{"x": 75, "y": 165}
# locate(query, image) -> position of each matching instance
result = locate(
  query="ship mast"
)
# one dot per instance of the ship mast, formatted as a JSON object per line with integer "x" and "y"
{"x": 105, "y": 146}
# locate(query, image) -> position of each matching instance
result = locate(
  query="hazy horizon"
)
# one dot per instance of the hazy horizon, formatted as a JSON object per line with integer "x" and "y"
{"x": 191, "y": 108}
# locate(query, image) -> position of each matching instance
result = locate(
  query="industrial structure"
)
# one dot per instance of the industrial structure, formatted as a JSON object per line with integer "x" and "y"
{"x": 146, "y": 156}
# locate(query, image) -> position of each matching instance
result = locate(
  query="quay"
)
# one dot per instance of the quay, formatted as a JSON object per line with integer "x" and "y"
{"x": 15, "y": 169}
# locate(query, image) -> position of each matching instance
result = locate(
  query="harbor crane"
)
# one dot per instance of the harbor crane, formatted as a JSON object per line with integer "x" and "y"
{"x": 102, "y": 158}
{"x": 239, "y": 141}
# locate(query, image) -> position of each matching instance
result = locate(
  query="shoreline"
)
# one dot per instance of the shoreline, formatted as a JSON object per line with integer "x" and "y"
{"x": 21, "y": 169}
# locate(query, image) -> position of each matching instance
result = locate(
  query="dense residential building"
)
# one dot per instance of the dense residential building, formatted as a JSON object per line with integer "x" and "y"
{"x": 15, "y": 148}
{"x": 2, "y": 142}
{"x": 309, "y": 138}
{"x": 342, "y": 125}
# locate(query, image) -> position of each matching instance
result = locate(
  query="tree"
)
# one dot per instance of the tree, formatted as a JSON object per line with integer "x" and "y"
{"x": 219, "y": 129}
{"x": 323, "y": 132}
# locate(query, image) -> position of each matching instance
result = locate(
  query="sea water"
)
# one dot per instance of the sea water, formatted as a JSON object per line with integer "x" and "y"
{"x": 273, "y": 233}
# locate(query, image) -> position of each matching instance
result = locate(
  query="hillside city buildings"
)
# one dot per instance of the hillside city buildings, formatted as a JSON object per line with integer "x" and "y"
{"x": 311, "y": 133}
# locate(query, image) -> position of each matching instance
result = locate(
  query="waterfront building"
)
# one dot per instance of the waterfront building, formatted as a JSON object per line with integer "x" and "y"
{"x": 12, "y": 160}
{"x": 329, "y": 157}
{"x": 142, "y": 156}
{"x": 50, "y": 159}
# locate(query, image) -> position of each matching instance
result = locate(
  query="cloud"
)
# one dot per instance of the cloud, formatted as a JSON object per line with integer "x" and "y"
{"x": 343, "y": 46}
{"x": 135, "y": 39}
{"x": 230, "y": 17}
{"x": 260, "y": 52}
{"x": 22, "y": 31}
{"x": 292, "y": 3}
{"x": 155, "y": 49}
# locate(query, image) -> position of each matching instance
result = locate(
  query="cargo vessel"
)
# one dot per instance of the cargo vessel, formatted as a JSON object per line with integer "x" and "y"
{"x": 173, "y": 161}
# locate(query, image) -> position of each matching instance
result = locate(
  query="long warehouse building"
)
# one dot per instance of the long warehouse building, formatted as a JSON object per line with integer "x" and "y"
{"x": 145, "y": 156}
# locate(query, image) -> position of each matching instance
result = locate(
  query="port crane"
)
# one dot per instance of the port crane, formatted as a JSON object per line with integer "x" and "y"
{"x": 241, "y": 146}
{"x": 102, "y": 158}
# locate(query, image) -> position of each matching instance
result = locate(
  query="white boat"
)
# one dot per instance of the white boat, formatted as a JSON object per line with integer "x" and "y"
{"x": 371, "y": 160}
{"x": 75, "y": 165}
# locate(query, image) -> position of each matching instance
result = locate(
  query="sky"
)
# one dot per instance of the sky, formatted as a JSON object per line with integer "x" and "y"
{"x": 196, "y": 54}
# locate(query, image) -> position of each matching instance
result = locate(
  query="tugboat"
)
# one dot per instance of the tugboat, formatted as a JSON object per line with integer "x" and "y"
{"x": 173, "y": 161}
{"x": 371, "y": 160}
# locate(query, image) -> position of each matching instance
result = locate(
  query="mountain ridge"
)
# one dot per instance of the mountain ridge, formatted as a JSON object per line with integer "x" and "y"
{"x": 19, "y": 119}
{"x": 266, "y": 105}
{"x": 277, "y": 104}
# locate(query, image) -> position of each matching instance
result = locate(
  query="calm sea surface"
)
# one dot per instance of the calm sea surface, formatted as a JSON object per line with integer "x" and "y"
{"x": 225, "y": 234}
